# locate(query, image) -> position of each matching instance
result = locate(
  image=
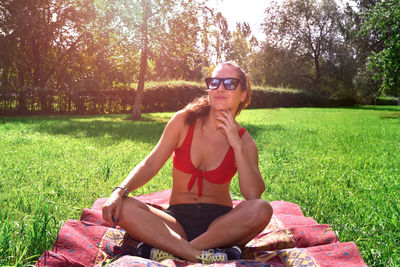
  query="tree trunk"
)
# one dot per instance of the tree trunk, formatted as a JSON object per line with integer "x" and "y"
{"x": 20, "y": 88}
{"x": 136, "y": 109}
{"x": 36, "y": 62}
{"x": 317, "y": 82}
{"x": 21, "y": 102}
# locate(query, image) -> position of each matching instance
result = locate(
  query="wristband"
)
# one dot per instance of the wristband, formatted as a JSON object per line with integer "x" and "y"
{"x": 123, "y": 188}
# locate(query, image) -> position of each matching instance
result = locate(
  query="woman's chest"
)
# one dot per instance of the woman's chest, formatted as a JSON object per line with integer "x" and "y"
{"x": 207, "y": 152}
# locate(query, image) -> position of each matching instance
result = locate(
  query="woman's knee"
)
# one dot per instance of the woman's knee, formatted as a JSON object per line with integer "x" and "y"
{"x": 129, "y": 209}
{"x": 258, "y": 213}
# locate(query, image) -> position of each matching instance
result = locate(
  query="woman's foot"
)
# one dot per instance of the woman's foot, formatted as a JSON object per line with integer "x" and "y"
{"x": 155, "y": 254}
{"x": 220, "y": 255}
{"x": 207, "y": 256}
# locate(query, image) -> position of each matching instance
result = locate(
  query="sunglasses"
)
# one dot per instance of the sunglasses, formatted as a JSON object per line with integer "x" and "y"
{"x": 229, "y": 83}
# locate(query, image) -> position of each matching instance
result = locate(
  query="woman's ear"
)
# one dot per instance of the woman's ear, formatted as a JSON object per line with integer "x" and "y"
{"x": 243, "y": 95}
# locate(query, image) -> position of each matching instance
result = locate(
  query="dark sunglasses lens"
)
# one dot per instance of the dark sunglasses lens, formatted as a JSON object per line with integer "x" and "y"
{"x": 231, "y": 84}
{"x": 213, "y": 83}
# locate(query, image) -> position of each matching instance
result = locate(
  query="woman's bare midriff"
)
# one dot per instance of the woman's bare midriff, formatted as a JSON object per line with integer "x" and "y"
{"x": 211, "y": 193}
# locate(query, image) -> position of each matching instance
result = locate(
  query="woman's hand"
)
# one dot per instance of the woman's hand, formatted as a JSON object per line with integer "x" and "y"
{"x": 229, "y": 129}
{"x": 111, "y": 210}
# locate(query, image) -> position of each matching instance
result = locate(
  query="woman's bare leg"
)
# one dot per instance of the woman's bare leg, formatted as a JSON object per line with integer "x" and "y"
{"x": 156, "y": 228}
{"x": 237, "y": 227}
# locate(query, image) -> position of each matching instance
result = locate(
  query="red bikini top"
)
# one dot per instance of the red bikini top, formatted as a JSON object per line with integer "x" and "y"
{"x": 222, "y": 174}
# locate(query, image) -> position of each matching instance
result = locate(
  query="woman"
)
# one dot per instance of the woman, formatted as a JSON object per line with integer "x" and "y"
{"x": 208, "y": 146}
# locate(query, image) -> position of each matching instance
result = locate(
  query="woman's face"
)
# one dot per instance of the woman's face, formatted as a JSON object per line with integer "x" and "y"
{"x": 222, "y": 99}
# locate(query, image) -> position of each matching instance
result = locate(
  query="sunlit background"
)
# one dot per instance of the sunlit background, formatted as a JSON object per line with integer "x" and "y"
{"x": 333, "y": 49}
{"x": 90, "y": 57}
{"x": 244, "y": 11}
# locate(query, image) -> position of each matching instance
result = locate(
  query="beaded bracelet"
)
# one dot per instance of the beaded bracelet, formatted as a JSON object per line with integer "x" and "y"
{"x": 123, "y": 188}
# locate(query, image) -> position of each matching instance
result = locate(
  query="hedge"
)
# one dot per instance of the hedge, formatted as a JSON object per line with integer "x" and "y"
{"x": 157, "y": 97}
{"x": 386, "y": 101}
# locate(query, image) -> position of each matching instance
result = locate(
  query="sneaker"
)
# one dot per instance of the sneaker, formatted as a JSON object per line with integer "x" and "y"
{"x": 220, "y": 255}
{"x": 155, "y": 254}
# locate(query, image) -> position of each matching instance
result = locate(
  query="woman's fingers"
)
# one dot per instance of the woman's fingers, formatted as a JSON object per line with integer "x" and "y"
{"x": 107, "y": 213}
{"x": 111, "y": 211}
{"x": 228, "y": 127}
{"x": 228, "y": 115}
{"x": 225, "y": 118}
{"x": 117, "y": 213}
{"x": 223, "y": 127}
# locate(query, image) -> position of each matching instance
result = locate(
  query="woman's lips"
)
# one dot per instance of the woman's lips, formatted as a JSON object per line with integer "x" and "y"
{"x": 220, "y": 97}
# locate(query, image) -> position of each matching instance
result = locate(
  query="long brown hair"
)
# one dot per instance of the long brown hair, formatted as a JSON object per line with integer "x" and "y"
{"x": 200, "y": 107}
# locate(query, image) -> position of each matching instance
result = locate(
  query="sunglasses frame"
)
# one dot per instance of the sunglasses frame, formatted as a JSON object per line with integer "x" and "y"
{"x": 209, "y": 79}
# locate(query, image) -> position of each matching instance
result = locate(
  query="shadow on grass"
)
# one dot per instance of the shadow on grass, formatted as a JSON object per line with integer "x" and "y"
{"x": 257, "y": 130}
{"x": 111, "y": 128}
{"x": 115, "y": 128}
{"x": 383, "y": 108}
{"x": 395, "y": 115}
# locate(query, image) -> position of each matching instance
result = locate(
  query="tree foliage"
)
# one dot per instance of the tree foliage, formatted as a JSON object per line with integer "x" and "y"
{"x": 308, "y": 31}
{"x": 242, "y": 45}
{"x": 361, "y": 45}
{"x": 384, "y": 22}
{"x": 91, "y": 45}
{"x": 34, "y": 34}
{"x": 75, "y": 46}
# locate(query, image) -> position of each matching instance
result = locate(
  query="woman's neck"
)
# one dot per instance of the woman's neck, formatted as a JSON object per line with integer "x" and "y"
{"x": 210, "y": 121}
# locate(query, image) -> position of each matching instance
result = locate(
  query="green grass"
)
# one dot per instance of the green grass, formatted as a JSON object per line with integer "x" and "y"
{"x": 340, "y": 165}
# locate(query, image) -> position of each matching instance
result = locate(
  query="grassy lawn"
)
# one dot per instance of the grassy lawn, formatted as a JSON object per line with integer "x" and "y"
{"x": 342, "y": 166}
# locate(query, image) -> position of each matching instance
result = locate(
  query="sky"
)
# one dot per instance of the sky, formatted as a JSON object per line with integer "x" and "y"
{"x": 251, "y": 11}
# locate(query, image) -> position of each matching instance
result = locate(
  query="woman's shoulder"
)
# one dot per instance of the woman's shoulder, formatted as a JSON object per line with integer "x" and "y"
{"x": 177, "y": 123}
{"x": 179, "y": 118}
{"x": 178, "y": 126}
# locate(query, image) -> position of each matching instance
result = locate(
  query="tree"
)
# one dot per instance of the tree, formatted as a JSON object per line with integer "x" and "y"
{"x": 180, "y": 56}
{"x": 215, "y": 39}
{"x": 81, "y": 45}
{"x": 36, "y": 40}
{"x": 351, "y": 25}
{"x": 384, "y": 19}
{"x": 242, "y": 46}
{"x": 75, "y": 46}
{"x": 151, "y": 24}
{"x": 29, "y": 30}
{"x": 42, "y": 35}
{"x": 306, "y": 28}
{"x": 274, "y": 66}
{"x": 146, "y": 14}
{"x": 362, "y": 46}
{"x": 221, "y": 37}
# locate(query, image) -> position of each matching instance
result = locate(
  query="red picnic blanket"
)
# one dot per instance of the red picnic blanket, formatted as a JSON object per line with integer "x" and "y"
{"x": 289, "y": 240}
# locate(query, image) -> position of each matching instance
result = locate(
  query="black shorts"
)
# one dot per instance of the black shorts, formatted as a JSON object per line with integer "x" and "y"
{"x": 195, "y": 218}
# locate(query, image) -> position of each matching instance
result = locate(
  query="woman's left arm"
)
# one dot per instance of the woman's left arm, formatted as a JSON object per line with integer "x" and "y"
{"x": 246, "y": 156}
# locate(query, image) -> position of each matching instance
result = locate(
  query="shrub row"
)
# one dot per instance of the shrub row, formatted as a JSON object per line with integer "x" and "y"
{"x": 279, "y": 97}
{"x": 386, "y": 101}
{"x": 157, "y": 97}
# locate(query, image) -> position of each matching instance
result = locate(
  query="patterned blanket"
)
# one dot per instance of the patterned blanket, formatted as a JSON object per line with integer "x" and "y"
{"x": 289, "y": 240}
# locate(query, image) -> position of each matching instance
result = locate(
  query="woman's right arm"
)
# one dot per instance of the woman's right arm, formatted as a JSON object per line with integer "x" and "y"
{"x": 145, "y": 170}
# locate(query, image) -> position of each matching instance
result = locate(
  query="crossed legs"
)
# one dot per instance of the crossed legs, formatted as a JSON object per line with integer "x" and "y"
{"x": 158, "y": 229}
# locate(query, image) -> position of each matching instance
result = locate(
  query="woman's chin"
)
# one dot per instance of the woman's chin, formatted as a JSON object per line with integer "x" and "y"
{"x": 219, "y": 106}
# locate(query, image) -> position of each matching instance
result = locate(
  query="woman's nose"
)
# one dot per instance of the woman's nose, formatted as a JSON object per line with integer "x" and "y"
{"x": 221, "y": 86}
